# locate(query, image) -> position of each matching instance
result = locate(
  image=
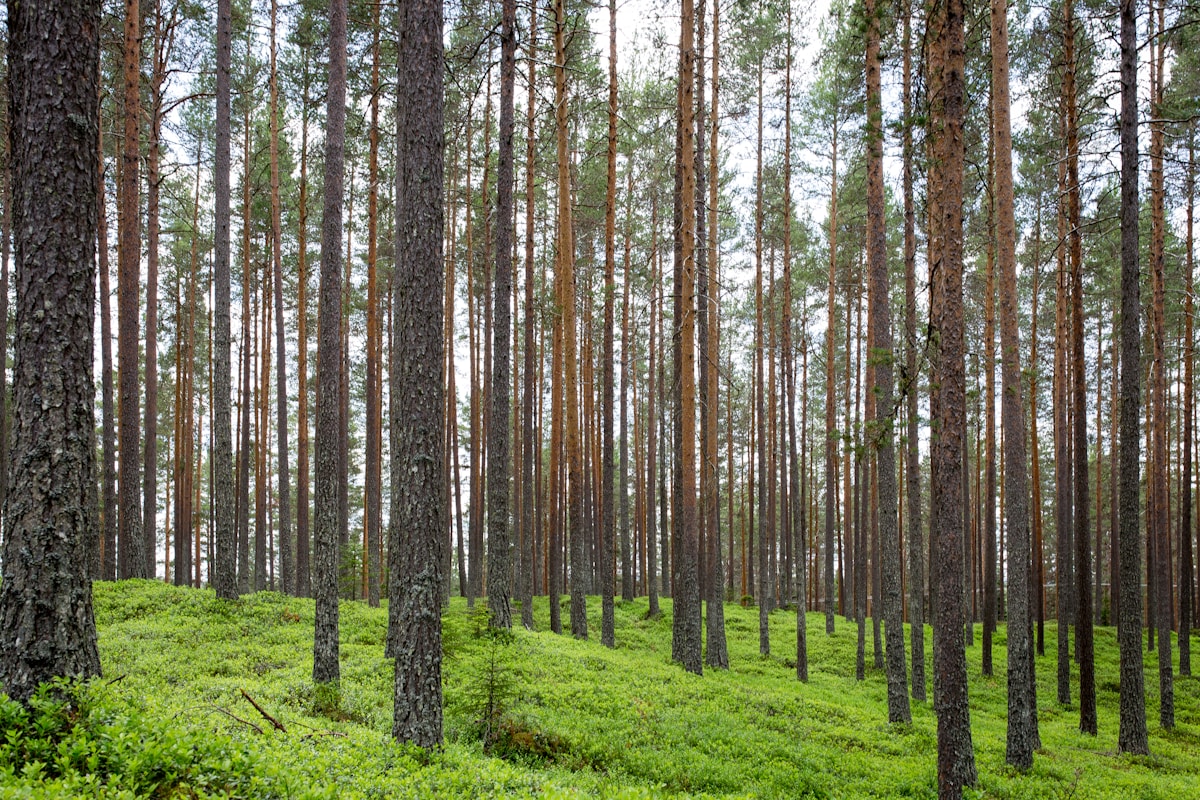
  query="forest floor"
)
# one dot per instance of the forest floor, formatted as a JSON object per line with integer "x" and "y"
{"x": 172, "y": 716}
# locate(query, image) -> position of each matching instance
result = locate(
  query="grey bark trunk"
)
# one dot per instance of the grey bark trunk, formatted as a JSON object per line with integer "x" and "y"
{"x": 325, "y": 478}
{"x": 47, "y": 628}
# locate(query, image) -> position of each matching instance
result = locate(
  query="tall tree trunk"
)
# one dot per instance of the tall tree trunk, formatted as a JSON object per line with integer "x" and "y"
{"x": 760, "y": 413}
{"x": 881, "y": 354}
{"x": 163, "y": 42}
{"x": 1158, "y": 529}
{"x": 303, "y": 572}
{"x": 651, "y": 419}
{"x": 1186, "y": 577}
{"x": 792, "y": 512}
{"x": 989, "y": 407}
{"x": 47, "y": 627}
{"x": 1062, "y": 470}
{"x": 608, "y": 530}
{"x": 287, "y": 558}
{"x": 831, "y": 441}
{"x": 1022, "y": 706}
{"x": 499, "y": 556}
{"x": 224, "y": 567}
{"x": 912, "y": 466}
{"x": 1132, "y": 737}
{"x": 565, "y": 274}
{"x": 345, "y": 566}
{"x": 108, "y": 562}
{"x": 627, "y": 395}
{"x": 685, "y": 640}
{"x": 325, "y": 523}
{"x": 956, "y": 761}
{"x": 108, "y": 521}
{"x": 373, "y": 481}
{"x": 417, "y": 411}
{"x": 717, "y": 651}
{"x": 1083, "y": 569}
{"x": 532, "y": 451}
{"x": 1038, "y": 588}
{"x": 248, "y": 349}
{"x": 133, "y": 557}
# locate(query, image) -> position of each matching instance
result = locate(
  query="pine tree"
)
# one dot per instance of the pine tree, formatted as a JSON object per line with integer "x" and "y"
{"x": 54, "y": 52}
{"x": 416, "y": 414}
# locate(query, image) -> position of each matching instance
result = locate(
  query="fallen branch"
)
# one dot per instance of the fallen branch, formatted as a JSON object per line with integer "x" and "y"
{"x": 236, "y": 718}
{"x": 274, "y": 722}
{"x": 318, "y": 732}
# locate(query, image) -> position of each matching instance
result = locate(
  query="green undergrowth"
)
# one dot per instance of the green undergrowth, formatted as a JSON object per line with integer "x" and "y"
{"x": 534, "y": 714}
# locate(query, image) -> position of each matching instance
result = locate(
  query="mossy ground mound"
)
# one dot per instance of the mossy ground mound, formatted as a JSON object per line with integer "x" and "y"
{"x": 535, "y": 714}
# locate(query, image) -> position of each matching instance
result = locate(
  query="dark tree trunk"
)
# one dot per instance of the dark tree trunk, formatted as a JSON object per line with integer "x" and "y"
{"x": 1083, "y": 568}
{"x": 417, "y": 403}
{"x": 46, "y": 625}
{"x": 760, "y": 412}
{"x": 912, "y": 463}
{"x": 224, "y": 567}
{"x": 686, "y": 634}
{"x": 247, "y": 351}
{"x": 108, "y": 542}
{"x": 372, "y": 486}
{"x": 303, "y": 572}
{"x": 888, "y": 567}
{"x": 830, "y": 396}
{"x": 576, "y": 523}
{"x": 1132, "y": 737}
{"x": 1022, "y": 706}
{"x": 608, "y": 527}
{"x": 1186, "y": 579}
{"x": 717, "y": 651}
{"x": 499, "y": 554}
{"x": 1159, "y": 525}
{"x": 325, "y": 522}
{"x": 956, "y": 760}
{"x": 161, "y": 56}
{"x": 1062, "y": 462}
{"x": 129, "y": 276}
{"x": 286, "y": 565}
{"x": 651, "y": 421}
{"x": 531, "y": 451}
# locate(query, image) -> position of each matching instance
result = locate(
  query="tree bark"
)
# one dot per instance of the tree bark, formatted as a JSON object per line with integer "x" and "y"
{"x": 686, "y": 634}
{"x": 1132, "y": 736}
{"x": 1062, "y": 465}
{"x": 608, "y": 529}
{"x": 831, "y": 441}
{"x": 163, "y": 43}
{"x": 325, "y": 527}
{"x": 1159, "y": 525}
{"x": 372, "y": 485}
{"x": 1022, "y": 706}
{"x": 1186, "y": 578}
{"x": 499, "y": 526}
{"x": 717, "y": 651}
{"x": 882, "y": 356}
{"x": 912, "y": 466}
{"x": 47, "y": 629}
{"x": 1083, "y": 568}
{"x": 224, "y": 568}
{"x": 417, "y": 409}
{"x": 956, "y": 761}
{"x": 532, "y": 451}
{"x": 303, "y": 572}
{"x": 131, "y": 534}
{"x": 565, "y": 273}
{"x": 108, "y": 542}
